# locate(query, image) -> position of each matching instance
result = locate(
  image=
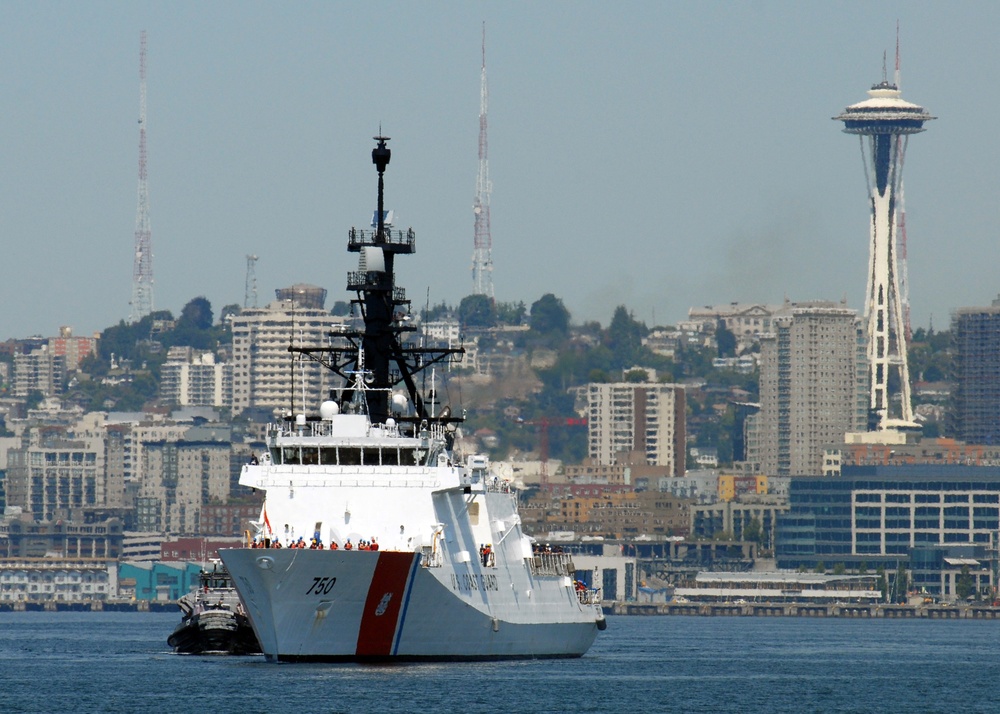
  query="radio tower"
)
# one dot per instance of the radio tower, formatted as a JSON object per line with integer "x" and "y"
{"x": 883, "y": 123}
{"x": 142, "y": 267}
{"x": 482, "y": 259}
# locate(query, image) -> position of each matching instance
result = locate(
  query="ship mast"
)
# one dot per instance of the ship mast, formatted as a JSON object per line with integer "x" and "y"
{"x": 380, "y": 349}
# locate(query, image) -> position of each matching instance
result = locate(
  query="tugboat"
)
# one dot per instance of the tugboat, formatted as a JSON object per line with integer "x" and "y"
{"x": 213, "y": 619}
{"x": 376, "y": 542}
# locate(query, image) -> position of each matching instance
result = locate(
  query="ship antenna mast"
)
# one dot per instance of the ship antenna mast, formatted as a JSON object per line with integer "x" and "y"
{"x": 142, "y": 267}
{"x": 482, "y": 256}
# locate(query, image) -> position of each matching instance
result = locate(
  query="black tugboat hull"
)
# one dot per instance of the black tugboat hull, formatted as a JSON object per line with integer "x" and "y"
{"x": 214, "y": 632}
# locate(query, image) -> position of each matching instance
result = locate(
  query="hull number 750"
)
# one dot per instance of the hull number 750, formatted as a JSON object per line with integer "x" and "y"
{"x": 321, "y": 586}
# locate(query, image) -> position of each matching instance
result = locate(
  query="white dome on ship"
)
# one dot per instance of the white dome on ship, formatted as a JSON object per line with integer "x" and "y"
{"x": 328, "y": 410}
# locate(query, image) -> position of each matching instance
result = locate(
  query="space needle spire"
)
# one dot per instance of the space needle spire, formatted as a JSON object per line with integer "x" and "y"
{"x": 883, "y": 123}
{"x": 482, "y": 258}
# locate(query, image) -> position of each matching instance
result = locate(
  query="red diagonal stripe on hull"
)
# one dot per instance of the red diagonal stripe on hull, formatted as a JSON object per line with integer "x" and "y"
{"x": 378, "y": 630}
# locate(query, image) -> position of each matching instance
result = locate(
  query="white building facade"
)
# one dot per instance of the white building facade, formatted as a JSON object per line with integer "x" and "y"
{"x": 264, "y": 372}
{"x": 638, "y": 417}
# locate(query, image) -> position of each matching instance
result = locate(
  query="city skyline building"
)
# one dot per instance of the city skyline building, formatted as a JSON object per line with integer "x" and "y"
{"x": 192, "y": 377}
{"x": 883, "y": 124}
{"x": 812, "y": 388}
{"x": 976, "y": 405}
{"x": 264, "y": 374}
{"x": 646, "y": 418}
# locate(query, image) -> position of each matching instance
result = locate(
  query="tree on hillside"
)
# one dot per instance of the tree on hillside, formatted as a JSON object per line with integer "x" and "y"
{"x": 476, "y": 311}
{"x": 437, "y": 312}
{"x": 197, "y": 314}
{"x": 229, "y": 311}
{"x": 129, "y": 341}
{"x": 549, "y": 315}
{"x": 725, "y": 340}
{"x": 624, "y": 338}
{"x": 195, "y": 327}
{"x": 510, "y": 313}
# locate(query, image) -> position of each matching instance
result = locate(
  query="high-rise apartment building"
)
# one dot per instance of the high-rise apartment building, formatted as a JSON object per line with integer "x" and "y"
{"x": 181, "y": 477}
{"x": 190, "y": 378}
{"x": 58, "y": 471}
{"x": 813, "y": 388}
{"x": 976, "y": 407}
{"x": 40, "y": 370}
{"x": 648, "y": 418}
{"x": 264, "y": 373}
{"x": 74, "y": 349}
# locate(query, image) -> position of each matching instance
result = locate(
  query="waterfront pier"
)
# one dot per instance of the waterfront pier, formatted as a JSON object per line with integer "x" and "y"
{"x": 791, "y": 609}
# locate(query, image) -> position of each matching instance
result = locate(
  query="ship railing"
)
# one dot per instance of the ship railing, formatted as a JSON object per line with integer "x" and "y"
{"x": 552, "y": 564}
{"x": 369, "y": 280}
{"x": 589, "y": 596}
{"x": 398, "y": 240}
{"x": 495, "y": 484}
{"x": 306, "y": 476}
{"x": 323, "y": 427}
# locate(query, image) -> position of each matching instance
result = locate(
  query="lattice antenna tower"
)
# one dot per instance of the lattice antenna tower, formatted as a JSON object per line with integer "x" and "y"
{"x": 482, "y": 256}
{"x": 142, "y": 266}
{"x": 250, "y": 291}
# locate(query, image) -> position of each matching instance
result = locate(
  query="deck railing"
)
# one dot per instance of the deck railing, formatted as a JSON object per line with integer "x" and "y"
{"x": 552, "y": 564}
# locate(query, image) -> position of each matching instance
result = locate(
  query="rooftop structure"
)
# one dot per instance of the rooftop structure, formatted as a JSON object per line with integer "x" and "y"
{"x": 303, "y": 295}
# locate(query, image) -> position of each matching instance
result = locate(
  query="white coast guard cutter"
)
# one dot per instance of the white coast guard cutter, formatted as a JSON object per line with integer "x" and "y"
{"x": 453, "y": 577}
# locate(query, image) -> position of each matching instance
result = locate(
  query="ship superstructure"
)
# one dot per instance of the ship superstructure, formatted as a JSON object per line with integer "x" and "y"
{"x": 374, "y": 541}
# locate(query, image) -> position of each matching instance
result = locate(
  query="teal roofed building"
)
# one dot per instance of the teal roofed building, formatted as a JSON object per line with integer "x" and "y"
{"x": 157, "y": 582}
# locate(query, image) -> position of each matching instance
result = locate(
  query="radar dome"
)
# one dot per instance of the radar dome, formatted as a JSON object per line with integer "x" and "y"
{"x": 328, "y": 410}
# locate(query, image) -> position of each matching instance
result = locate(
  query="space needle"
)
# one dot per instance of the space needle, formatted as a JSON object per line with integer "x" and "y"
{"x": 883, "y": 123}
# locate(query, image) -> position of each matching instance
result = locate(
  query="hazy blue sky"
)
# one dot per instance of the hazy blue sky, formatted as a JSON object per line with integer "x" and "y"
{"x": 653, "y": 154}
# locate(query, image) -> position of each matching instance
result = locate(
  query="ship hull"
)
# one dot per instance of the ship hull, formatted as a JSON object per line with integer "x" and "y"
{"x": 214, "y": 632}
{"x": 313, "y": 605}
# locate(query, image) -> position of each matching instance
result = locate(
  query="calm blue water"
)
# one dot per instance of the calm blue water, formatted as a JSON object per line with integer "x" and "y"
{"x": 119, "y": 662}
